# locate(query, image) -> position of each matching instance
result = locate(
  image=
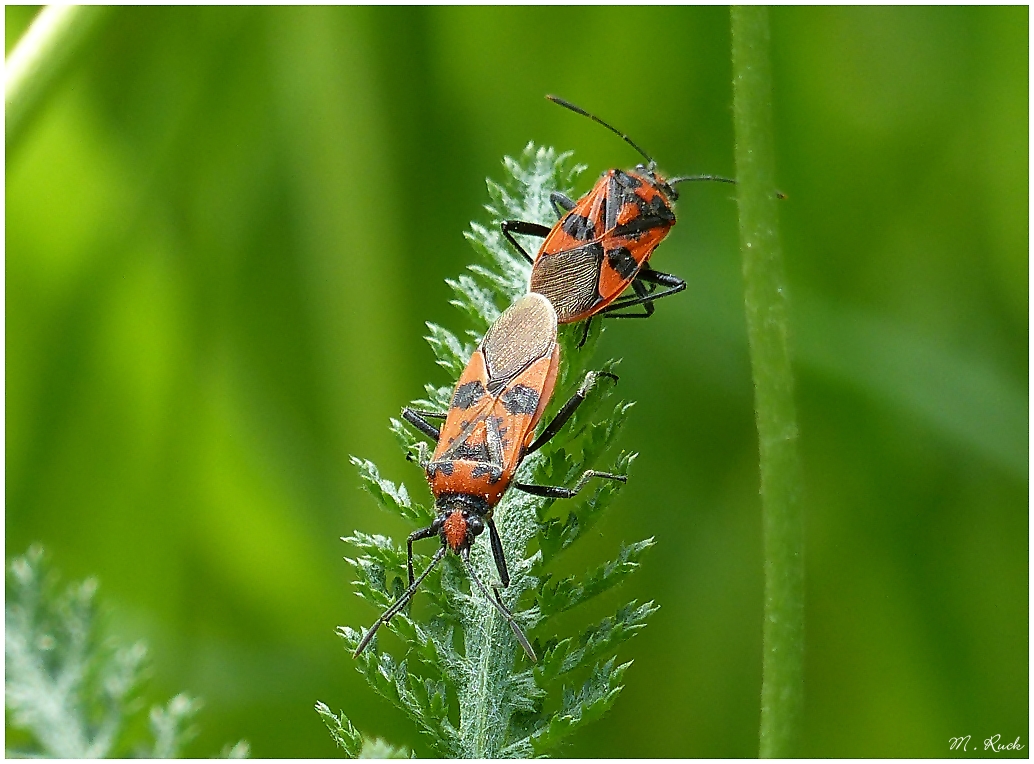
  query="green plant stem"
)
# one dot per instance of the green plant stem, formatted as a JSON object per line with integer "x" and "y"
{"x": 51, "y": 43}
{"x": 782, "y": 688}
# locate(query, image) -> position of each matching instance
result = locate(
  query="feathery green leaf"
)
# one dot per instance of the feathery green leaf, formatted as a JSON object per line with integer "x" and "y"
{"x": 71, "y": 692}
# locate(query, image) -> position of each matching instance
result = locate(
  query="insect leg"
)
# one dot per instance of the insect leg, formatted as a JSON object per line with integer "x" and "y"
{"x": 497, "y": 552}
{"x": 562, "y": 203}
{"x": 559, "y": 492}
{"x": 510, "y": 227}
{"x": 645, "y": 296}
{"x": 660, "y": 278}
{"x": 643, "y": 292}
{"x": 423, "y": 533}
{"x": 399, "y": 603}
{"x": 585, "y": 332}
{"x": 416, "y": 418}
{"x": 569, "y": 408}
{"x": 498, "y": 603}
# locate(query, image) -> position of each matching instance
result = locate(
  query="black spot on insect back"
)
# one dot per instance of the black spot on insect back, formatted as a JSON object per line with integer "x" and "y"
{"x": 625, "y": 180}
{"x": 492, "y": 472}
{"x": 443, "y": 467}
{"x": 656, "y": 208}
{"x": 621, "y": 260}
{"x": 579, "y": 227}
{"x": 468, "y": 394}
{"x": 633, "y": 229}
{"x": 471, "y": 452}
{"x": 520, "y": 399}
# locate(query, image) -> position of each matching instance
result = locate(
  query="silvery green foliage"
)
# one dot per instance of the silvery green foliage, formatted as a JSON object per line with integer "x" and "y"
{"x": 70, "y": 693}
{"x": 460, "y": 673}
{"x": 351, "y": 742}
{"x": 345, "y": 736}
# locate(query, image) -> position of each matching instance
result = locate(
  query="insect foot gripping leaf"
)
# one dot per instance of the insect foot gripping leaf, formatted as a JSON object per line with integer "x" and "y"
{"x": 69, "y": 692}
{"x": 458, "y": 669}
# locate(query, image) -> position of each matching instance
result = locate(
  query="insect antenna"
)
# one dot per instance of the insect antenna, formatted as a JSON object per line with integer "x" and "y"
{"x": 579, "y": 110}
{"x": 497, "y": 602}
{"x": 400, "y": 602}
{"x": 687, "y": 178}
{"x": 683, "y": 179}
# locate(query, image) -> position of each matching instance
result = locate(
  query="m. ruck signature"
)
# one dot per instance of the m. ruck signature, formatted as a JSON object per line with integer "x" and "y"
{"x": 993, "y": 743}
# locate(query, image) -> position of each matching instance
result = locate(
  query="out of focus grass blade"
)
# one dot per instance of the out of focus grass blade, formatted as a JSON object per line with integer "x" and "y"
{"x": 43, "y": 54}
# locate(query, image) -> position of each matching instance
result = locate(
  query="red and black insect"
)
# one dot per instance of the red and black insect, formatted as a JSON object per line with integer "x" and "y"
{"x": 488, "y": 431}
{"x": 601, "y": 244}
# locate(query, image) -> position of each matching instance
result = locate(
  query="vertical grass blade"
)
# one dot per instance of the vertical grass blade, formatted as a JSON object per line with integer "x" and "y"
{"x": 782, "y": 689}
{"x": 39, "y": 59}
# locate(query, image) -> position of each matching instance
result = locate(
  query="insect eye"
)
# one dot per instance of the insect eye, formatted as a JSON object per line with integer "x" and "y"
{"x": 475, "y": 526}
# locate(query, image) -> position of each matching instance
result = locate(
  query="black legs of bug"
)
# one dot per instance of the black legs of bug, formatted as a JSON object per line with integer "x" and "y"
{"x": 510, "y": 227}
{"x": 416, "y": 418}
{"x": 400, "y": 603}
{"x": 414, "y": 582}
{"x": 645, "y": 285}
{"x": 585, "y": 332}
{"x": 562, "y": 204}
{"x": 497, "y": 553}
{"x": 569, "y": 408}
{"x": 497, "y": 602}
{"x": 559, "y": 492}
{"x": 423, "y": 533}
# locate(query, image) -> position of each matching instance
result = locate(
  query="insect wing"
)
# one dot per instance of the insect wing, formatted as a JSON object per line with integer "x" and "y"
{"x": 525, "y": 333}
{"x": 569, "y": 279}
{"x": 567, "y": 268}
{"x": 504, "y": 389}
{"x": 585, "y": 222}
{"x": 530, "y": 372}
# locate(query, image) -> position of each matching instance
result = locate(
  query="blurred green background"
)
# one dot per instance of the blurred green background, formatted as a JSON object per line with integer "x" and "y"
{"x": 227, "y": 226}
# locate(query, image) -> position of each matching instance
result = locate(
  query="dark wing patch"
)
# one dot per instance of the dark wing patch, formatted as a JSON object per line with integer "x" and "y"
{"x": 524, "y": 333}
{"x": 621, "y": 260}
{"x": 468, "y": 394}
{"x": 621, "y": 190}
{"x": 655, "y": 213}
{"x": 520, "y": 399}
{"x": 569, "y": 279}
{"x": 656, "y": 207}
{"x": 444, "y": 467}
{"x": 470, "y": 452}
{"x": 625, "y": 180}
{"x": 634, "y": 228}
{"x": 494, "y": 474}
{"x": 578, "y": 227}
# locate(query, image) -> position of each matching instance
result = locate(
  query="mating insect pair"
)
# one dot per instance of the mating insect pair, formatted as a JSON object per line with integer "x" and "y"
{"x": 597, "y": 249}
